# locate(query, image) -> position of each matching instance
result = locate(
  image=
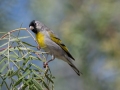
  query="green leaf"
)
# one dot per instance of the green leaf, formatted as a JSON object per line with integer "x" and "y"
{"x": 37, "y": 75}
{"x": 37, "y": 67}
{"x": 26, "y": 73}
{"x": 3, "y": 44}
{"x": 3, "y": 52}
{"x": 20, "y": 48}
{"x": 14, "y": 53}
{"x": 18, "y": 82}
{"x": 41, "y": 79}
{"x": 12, "y": 56}
{"x": 14, "y": 63}
{"x": 18, "y": 39}
{"x": 2, "y": 60}
{"x": 37, "y": 84}
{"x": 4, "y": 39}
{"x": 18, "y": 59}
{"x": 27, "y": 68}
{"x": 32, "y": 87}
{"x": 4, "y": 66}
{"x": 24, "y": 86}
{"x": 26, "y": 61}
{"x": 15, "y": 73}
{"x": 28, "y": 44}
{"x": 9, "y": 72}
{"x": 49, "y": 78}
{"x": 28, "y": 81}
{"x": 34, "y": 57}
{"x": 46, "y": 85}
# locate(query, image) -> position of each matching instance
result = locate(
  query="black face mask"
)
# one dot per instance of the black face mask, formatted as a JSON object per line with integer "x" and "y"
{"x": 33, "y": 24}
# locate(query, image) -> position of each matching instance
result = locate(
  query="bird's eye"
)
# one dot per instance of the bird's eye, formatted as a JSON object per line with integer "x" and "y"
{"x": 37, "y": 24}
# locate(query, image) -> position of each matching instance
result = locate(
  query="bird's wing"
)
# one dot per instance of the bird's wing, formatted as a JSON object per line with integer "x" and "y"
{"x": 58, "y": 41}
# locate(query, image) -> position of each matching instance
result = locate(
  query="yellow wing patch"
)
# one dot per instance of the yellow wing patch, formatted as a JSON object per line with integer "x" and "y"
{"x": 59, "y": 42}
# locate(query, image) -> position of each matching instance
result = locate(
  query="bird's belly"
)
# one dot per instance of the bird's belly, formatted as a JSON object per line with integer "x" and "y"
{"x": 55, "y": 50}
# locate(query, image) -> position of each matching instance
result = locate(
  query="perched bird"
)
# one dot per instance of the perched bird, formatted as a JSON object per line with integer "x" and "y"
{"x": 52, "y": 44}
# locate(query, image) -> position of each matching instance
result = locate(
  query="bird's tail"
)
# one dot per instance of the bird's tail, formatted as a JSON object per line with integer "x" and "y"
{"x": 75, "y": 69}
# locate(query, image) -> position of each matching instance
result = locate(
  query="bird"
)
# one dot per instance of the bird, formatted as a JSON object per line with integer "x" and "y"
{"x": 48, "y": 41}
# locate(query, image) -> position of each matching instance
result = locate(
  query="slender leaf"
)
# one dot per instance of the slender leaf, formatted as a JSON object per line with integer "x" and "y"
{"x": 37, "y": 67}
{"x": 20, "y": 48}
{"x": 3, "y": 52}
{"x": 46, "y": 85}
{"x": 4, "y": 66}
{"x": 24, "y": 75}
{"x": 3, "y": 44}
{"x": 49, "y": 78}
{"x": 37, "y": 84}
{"x": 27, "y": 44}
{"x": 2, "y": 60}
{"x": 15, "y": 73}
{"x": 18, "y": 82}
{"x": 34, "y": 57}
{"x": 18, "y": 39}
{"x": 41, "y": 79}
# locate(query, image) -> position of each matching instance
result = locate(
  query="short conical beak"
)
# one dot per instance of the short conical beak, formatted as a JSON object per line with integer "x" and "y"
{"x": 31, "y": 27}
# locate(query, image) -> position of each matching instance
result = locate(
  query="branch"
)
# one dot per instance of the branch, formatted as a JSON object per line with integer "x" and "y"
{"x": 12, "y": 32}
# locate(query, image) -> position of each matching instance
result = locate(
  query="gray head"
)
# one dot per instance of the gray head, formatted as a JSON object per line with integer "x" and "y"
{"x": 36, "y": 26}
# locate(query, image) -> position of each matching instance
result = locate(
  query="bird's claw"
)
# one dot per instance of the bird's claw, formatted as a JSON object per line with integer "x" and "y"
{"x": 45, "y": 64}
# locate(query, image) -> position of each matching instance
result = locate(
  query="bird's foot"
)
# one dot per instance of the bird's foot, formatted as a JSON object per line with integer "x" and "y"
{"x": 45, "y": 64}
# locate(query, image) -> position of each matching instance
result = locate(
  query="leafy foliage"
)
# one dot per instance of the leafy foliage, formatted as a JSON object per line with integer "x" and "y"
{"x": 18, "y": 72}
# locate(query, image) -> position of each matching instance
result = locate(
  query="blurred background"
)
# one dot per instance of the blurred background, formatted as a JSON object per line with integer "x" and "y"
{"x": 90, "y": 29}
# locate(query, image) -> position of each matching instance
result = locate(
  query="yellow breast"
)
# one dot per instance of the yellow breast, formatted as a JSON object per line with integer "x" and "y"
{"x": 40, "y": 39}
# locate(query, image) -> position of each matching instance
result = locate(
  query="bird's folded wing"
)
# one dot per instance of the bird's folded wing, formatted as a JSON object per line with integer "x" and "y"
{"x": 58, "y": 41}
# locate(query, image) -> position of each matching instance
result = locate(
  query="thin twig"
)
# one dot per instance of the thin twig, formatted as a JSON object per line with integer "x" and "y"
{"x": 12, "y": 32}
{"x": 19, "y": 31}
{"x": 8, "y": 51}
{"x": 38, "y": 56}
{"x": 5, "y": 48}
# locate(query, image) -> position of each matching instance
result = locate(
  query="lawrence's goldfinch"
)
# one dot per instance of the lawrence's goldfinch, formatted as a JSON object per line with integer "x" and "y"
{"x": 52, "y": 44}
